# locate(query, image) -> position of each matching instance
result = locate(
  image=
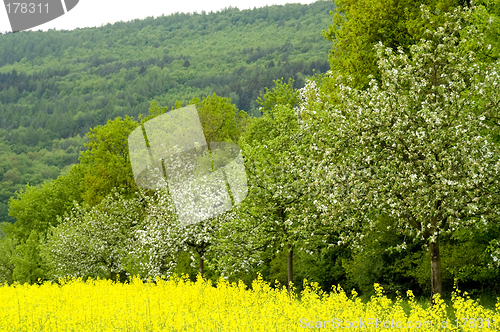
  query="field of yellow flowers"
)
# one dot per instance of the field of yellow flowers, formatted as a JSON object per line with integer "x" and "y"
{"x": 182, "y": 305}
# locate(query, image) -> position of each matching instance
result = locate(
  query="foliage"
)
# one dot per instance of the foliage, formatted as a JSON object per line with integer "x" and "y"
{"x": 220, "y": 119}
{"x": 36, "y": 207}
{"x": 487, "y": 19}
{"x": 275, "y": 215}
{"x": 28, "y": 264}
{"x": 359, "y": 24}
{"x": 95, "y": 241}
{"x": 6, "y": 265}
{"x": 420, "y": 141}
{"x": 221, "y": 122}
{"x": 379, "y": 258}
{"x": 56, "y": 85}
{"x": 281, "y": 94}
{"x": 20, "y": 166}
{"x": 107, "y": 161}
{"x": 159, "y": 238}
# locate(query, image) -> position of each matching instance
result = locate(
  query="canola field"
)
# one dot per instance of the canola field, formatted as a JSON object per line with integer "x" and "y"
{"x": 182, "y": 305}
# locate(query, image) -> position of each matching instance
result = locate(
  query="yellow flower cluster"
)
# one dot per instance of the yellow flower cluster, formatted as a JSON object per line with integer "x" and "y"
{"x": 182, "y": 305}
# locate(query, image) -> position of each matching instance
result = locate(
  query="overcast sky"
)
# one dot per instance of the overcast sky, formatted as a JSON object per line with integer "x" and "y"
{"x": 92, "y": 13}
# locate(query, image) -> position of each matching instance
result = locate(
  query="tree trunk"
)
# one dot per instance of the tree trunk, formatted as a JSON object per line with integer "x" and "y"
{"x": 289, "y": 261}
{"x": 436, "y": 278}
{"x": 202, "y": 265}
{"x": 118, "y": 276}
{"x": 113, "y": 276}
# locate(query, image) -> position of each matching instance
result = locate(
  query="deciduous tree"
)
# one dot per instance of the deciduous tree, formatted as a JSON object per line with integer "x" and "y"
{"x": 94, "y": 241}
{"x": 418, "y": 146}
{"x": 106, "y": 160}
{"x": 275, "y": 212}
{"x": 359, "y": 24}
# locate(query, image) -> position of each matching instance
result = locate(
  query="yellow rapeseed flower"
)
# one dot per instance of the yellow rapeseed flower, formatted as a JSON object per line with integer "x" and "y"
{"x": 181, "y": 305}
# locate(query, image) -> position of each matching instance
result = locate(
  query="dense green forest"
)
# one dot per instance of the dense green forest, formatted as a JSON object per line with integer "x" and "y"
{"x": 381, "y": 166}
{"x": 56, "y": 85}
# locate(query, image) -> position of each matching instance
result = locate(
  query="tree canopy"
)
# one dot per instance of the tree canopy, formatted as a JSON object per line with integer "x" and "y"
{"x": 418, "y": 147}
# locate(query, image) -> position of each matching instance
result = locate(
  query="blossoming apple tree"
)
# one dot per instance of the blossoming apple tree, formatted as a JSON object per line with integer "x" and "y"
{"x": 418, "y": 145}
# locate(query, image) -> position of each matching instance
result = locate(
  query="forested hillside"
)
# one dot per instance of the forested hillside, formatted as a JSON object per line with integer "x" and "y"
{"x": 56, "y": 85}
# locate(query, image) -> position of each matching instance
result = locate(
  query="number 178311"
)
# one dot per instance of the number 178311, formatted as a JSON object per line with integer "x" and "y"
{"x": 27, "y": 8}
